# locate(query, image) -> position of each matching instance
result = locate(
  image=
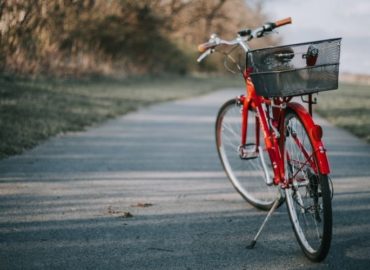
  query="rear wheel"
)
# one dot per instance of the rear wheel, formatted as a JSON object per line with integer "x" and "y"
{"x": 245, "y": 173}
{"x": 309, "y": 197}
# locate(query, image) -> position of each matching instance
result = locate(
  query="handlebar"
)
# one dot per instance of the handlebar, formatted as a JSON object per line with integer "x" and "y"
{"x": 283, "y": 22}
{"x": 243, "y": 36}
{"x": 205, "y": 46}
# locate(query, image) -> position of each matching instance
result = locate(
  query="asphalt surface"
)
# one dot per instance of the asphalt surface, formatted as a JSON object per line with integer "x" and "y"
{"x": 147, "y": 191}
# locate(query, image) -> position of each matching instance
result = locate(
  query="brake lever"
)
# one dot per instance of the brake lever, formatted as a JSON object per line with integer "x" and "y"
{"x": 262, "y": 33}
{"x": 204, "y": 55}
{"x": 270, "y": 32}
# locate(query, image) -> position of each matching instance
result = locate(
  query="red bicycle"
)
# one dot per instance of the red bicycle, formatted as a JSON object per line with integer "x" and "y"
{"x": 269, "y": 144}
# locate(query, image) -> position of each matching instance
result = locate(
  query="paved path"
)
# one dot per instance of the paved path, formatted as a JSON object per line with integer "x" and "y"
{"x": 65, "y": 204}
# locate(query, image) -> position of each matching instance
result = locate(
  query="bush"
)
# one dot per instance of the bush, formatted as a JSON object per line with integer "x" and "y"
{"x": 120, "y": 37}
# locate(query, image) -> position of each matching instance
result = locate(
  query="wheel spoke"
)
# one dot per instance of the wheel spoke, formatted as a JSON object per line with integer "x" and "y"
{"x": 308, "y": 200}
{"x": 246, "y": 175}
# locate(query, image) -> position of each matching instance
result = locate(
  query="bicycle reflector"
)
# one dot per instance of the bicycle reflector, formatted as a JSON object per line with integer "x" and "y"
{"x": 316, "y": 132}
{"x": 311, "y": 55}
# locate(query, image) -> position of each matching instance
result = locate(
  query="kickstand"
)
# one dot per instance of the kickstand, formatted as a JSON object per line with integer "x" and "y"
{"x": 272, "y": 210}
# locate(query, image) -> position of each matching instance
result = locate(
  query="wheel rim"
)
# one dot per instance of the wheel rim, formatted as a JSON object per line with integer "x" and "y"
{"x": 304, "y": 198}
{"x": 247, "y": 176}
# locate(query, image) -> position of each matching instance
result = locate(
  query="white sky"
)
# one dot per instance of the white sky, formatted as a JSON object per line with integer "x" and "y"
{"x": 321, "y": 19}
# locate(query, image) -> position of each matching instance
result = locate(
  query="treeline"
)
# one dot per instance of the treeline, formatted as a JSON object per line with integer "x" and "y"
{"x": 77, "y": 37}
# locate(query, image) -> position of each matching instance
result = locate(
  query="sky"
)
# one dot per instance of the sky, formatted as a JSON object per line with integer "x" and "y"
{"x": 322, "y": 19}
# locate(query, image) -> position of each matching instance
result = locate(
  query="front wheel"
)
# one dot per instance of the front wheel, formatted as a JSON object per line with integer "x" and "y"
{"x": 309, "y": 196}
{"x": 246, "y": 174}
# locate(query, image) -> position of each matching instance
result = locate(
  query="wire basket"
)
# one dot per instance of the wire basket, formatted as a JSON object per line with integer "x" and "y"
{"x": 295, "y": 70}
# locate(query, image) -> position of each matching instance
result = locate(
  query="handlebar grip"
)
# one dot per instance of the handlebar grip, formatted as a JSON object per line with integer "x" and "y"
{"x": 283, "y": 22}
{"x": 205, "y": 46}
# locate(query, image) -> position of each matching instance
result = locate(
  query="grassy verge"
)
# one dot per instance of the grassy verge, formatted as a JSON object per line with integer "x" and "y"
{"x": 348, "y": 107}
{"x": 32, "y": 111}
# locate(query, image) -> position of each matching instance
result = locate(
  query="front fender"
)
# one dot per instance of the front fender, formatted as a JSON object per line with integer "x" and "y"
{"x": 315, "y": 133}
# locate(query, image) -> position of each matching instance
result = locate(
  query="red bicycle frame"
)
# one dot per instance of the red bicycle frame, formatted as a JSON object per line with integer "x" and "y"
{"x": 275, "y": 143}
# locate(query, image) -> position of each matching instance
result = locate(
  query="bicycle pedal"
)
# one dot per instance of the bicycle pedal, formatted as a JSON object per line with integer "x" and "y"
{"x": 249, "y": 156}
{"x": 248, "y": 151}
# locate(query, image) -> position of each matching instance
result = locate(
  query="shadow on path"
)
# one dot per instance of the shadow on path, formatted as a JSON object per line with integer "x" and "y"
{"x": 65, "y": 204}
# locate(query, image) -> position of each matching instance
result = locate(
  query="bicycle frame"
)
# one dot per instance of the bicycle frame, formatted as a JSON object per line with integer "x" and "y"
{"x": 283, "y": 129}
{"x": 273, "y": 132}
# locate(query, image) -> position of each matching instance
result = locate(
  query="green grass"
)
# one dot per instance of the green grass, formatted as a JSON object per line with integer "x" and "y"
{"x": 348, "y": 107}
{"x": 32, "y": 111}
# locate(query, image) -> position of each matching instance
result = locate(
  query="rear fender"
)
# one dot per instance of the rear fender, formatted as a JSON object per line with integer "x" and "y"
{"x": 315, "y": 134}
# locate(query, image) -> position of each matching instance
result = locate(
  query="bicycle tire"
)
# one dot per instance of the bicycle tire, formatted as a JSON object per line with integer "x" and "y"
{"x": 246, "y": 175}
{"x": 309, "y": 197}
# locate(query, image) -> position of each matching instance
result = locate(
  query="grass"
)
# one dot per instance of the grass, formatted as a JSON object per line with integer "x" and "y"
{"x": 348, "y": 108}
{"x": 32, "y": 111}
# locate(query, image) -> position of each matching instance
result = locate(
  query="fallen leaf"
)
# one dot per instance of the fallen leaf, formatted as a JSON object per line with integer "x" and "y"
{"x": 112, "y": 211}
{"x": 143, "y": 205}
{"x": 126, "y": 215}
{"x": 119, "y": 213}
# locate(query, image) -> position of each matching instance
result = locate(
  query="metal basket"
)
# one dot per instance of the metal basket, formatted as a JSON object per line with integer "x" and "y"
{"x": 297, "y": 69}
